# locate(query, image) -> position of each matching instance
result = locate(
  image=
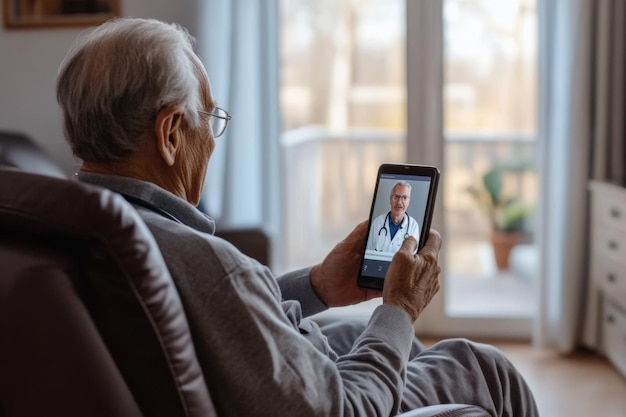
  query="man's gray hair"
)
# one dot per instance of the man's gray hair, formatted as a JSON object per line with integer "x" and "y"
{"x": 403, "y": 183}
{"x": 117, "y": 77}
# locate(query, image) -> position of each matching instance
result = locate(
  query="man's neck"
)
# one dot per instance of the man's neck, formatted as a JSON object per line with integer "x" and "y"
{"x": 397, "y": 219}
{"x": 136, "y": 169}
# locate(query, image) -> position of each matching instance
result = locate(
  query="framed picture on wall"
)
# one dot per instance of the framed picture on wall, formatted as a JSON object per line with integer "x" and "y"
{"x": 58, "y": 13}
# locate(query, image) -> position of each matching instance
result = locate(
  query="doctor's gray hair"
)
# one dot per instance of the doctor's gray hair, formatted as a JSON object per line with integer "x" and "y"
{"x": 117, "y": 77}
{"x": 403, "y": 183}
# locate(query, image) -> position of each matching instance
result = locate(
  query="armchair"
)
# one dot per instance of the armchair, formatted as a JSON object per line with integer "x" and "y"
{"x": 90, "y": 320}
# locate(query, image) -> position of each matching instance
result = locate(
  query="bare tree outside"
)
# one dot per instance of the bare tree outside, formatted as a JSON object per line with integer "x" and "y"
{"x": 490, "y": 66}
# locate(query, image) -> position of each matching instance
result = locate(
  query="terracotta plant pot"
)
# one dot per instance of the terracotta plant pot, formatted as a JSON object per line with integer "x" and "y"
{"x": 502, "y": 244}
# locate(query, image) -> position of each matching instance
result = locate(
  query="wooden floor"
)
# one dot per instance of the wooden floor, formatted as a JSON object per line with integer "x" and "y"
{"x": 578, "y": 385}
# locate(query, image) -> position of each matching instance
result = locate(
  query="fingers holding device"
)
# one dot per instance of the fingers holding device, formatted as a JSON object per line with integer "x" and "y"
{"x": 412, "y": 279}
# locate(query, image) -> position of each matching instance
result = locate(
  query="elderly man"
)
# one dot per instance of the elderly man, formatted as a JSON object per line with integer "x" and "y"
{"x": 138, "y": 111}
{"x": 389, "y": 230}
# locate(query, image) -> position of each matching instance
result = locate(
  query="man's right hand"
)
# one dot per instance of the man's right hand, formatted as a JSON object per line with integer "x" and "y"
{"x": 413, "y": 279}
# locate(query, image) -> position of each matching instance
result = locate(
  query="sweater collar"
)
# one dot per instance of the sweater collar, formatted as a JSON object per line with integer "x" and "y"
{"x": 153, "y": 195}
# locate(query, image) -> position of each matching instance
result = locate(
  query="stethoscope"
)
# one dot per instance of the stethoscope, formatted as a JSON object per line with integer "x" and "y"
{"x": 146, "y": 204}
{"x": 384, "y": 228}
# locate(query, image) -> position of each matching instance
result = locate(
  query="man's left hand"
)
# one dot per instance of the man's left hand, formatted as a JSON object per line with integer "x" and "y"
{"x": 335, "y": 279}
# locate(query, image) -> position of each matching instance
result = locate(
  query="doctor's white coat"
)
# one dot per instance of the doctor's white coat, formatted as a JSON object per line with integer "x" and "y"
{"x": 379, "y": 238}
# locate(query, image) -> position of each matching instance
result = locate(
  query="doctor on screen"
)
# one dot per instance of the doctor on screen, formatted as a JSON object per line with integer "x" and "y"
{"x": 389, "y": 230}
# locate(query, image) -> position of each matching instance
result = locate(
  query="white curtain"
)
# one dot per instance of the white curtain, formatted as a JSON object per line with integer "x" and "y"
{"x": 581, "y": 103}
{"x": 238, "y": 43}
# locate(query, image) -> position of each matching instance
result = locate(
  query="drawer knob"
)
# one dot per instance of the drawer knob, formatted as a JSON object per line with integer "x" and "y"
{"x": 615, "y": 213}
{"x": 610, "y": 319}
{"x": 611, "y": 277}
{"x": 613, "y": 245}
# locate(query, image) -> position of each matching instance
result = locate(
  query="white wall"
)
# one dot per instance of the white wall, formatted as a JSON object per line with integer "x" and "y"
{"x": 29, "y": 59}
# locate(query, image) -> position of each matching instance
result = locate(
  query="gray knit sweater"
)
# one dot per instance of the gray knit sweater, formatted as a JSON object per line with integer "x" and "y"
{"x": 259, "y": 353}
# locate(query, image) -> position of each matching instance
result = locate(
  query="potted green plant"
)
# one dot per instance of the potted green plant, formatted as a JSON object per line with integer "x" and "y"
{"x": 508, "y": 216}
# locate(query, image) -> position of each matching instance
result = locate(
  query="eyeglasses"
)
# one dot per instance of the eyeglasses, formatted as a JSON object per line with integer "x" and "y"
{"x": 396, "y": 197}
{"x": 218, "y": 120}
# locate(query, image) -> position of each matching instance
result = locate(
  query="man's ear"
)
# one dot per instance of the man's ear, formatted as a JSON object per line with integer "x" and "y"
{"x": 168, "y": 133}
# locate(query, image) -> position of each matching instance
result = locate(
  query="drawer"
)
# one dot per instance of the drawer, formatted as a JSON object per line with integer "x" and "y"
{"x": 608, "y": 206}
{"x": 609, "y": 275}
{"x": 609, "y": 244}
{"x": 614, "y": 330}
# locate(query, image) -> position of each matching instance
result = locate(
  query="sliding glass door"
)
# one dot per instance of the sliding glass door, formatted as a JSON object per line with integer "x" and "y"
{"x": 480, "y": 56}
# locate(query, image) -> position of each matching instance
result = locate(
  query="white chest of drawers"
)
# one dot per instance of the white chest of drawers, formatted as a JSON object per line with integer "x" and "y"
{"x": 608, "y": 266}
